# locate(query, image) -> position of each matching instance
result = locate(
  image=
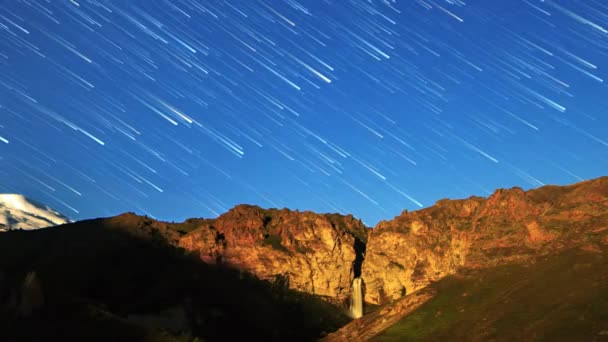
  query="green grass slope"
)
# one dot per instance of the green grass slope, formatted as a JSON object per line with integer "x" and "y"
{"x": 559, "y": 298}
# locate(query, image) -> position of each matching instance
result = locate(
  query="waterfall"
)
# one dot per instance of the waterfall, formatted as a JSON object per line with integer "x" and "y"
{"x": 356, "y": 299}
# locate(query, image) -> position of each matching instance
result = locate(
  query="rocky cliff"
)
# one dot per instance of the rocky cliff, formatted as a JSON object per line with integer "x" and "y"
{"x": 315, "y": 253}
{"x": 416, "y": 248}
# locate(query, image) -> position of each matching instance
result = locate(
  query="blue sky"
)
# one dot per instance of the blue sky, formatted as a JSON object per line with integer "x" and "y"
{"x": 180, "y": 109}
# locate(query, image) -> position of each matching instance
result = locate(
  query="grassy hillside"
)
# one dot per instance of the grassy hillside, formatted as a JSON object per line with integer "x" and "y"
{"x": 107, "y": 282}
{"x": 560, "y": 298}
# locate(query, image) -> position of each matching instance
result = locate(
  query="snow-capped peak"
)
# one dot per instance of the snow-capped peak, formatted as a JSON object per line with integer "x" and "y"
{"x": 18, "y": 212}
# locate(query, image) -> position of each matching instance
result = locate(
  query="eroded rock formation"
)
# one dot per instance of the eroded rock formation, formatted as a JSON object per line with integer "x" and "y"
{"x": 309, "y": 252}
{"x": 415, "y": 248}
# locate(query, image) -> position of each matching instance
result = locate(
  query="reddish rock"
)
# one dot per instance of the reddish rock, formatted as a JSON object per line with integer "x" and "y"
{"x": 310, "y": 252}
{"x": 315, "y": 253}
{"x": 405, "y": 254}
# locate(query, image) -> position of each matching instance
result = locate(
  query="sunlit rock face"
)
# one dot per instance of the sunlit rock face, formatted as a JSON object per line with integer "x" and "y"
{"x": 405, "y": 254}
{"x": 398, "y": 264}
{"x": 305, "y": 251}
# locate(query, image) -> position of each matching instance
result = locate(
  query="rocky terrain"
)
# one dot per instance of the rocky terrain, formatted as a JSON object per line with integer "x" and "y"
{"x": 314, "y": 253}
{"x": 414, "y": 249}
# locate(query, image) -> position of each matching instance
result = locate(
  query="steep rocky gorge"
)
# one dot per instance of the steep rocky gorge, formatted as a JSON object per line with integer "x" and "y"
{"x": 322, "y": 253}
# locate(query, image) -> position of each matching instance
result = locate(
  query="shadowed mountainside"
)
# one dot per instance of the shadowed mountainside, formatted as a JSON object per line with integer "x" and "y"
{"x": 119, "y": 279}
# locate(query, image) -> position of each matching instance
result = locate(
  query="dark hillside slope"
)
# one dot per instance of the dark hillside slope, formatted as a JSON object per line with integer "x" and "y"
{"x": 103, "y": 280}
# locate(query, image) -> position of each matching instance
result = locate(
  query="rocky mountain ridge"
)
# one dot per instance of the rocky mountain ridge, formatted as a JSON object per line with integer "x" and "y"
{"x": 315, "y": 253}
{"x": 414, "y": 249}
{"x": 322, "y": 253}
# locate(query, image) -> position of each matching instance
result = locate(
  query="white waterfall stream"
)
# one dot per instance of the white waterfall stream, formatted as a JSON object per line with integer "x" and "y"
{"x": 356, "y": 301}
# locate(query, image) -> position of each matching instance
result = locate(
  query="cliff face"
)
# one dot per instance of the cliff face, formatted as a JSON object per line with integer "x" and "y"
{"x": 314, "y": 253}
{"x": 414, "y": 249}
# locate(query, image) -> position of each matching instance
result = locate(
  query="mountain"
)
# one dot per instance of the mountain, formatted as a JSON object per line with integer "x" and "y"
{"x": 19, "y": 212}
{"x": 518, "y": 265}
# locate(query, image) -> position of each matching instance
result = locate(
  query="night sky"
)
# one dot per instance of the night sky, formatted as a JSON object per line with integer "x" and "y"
{"x": 185, "y": 108}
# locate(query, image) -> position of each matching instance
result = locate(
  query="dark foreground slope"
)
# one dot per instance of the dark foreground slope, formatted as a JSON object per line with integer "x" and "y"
{"x": 559, "y": 298}
{"x": 101, "y": 280}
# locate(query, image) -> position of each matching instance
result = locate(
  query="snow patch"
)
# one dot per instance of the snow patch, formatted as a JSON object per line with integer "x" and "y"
{"x": 18, "y": 212}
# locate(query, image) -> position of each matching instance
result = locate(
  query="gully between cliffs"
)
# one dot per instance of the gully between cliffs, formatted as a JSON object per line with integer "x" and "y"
{"x": 359, "y": 257}
{"x": 358, "y": 288}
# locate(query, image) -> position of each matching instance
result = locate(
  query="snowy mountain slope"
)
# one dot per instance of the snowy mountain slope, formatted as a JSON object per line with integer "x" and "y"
{"x": 18, "y": 212}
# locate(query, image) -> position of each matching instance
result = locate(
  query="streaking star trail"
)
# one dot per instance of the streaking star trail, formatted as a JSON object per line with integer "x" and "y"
{"x": 184, "y": 108}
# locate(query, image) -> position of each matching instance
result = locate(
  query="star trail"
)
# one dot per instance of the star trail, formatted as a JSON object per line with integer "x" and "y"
{"x": 185, "y": 108}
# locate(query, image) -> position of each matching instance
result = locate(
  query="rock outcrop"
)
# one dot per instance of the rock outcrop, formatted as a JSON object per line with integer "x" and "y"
{"x": 315, "y": 253}
{"x": 415, "y": 248}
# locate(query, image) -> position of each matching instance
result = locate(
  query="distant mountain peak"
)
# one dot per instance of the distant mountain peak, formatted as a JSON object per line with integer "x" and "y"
{"x": 19, "y": 212}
